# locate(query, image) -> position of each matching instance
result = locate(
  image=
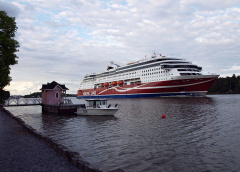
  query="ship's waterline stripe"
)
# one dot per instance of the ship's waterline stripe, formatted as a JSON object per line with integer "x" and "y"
{"x": 142, "y": 95}
{"x": 183, "y": 92}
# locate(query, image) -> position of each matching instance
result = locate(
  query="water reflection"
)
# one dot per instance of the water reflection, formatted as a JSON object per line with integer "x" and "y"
{"x": 54, "y": 123}
{"x": 98, "y": 120}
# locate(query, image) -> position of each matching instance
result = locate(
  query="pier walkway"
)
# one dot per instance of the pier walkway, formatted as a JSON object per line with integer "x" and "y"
{"x": 21, "y": 151}
{"x": 23, "y": 101}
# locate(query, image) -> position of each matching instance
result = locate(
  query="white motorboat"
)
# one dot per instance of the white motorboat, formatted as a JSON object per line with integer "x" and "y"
{"x": 97, "y": 107}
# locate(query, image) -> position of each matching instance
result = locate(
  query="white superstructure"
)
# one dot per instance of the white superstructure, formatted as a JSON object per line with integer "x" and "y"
{"x": 158, "y": 68}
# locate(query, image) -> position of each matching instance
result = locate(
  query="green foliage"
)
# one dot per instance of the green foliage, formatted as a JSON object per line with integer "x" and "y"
{"x": 3, "y": 96}
{"x": 34, "y": 95}
{"x": 226, "y": 85}
{"x": 8, "y": 47}
{"x": 71, "y": 95}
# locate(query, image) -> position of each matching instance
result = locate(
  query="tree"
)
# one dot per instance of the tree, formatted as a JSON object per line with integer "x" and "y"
{"x": 8, "y": 48}
{"x": 226, "y": 85}
{"x": 4, "y": 95}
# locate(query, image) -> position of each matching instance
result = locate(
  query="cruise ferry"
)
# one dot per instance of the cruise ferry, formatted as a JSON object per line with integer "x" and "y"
{"x": 150, "y": 77}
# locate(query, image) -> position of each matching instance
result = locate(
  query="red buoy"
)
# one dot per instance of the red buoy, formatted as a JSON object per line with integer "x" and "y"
{"x": 163, "y": 116}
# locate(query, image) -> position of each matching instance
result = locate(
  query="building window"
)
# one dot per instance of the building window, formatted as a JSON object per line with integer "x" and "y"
{"x": 56, "y": 95}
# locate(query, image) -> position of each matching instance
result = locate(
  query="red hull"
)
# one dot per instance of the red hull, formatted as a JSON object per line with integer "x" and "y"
{"x": 172, "y": 87}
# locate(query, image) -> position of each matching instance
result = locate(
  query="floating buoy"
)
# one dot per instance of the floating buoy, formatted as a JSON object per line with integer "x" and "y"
{"x": 163, "y": 116}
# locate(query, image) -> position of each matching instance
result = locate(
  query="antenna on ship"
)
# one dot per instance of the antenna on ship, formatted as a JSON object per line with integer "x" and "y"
{"x": 154, "y": 54}
{"x": 112, "y": 63}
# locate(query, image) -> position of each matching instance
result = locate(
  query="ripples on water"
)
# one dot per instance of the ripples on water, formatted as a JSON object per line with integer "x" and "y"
{"x": 199, "y": 134}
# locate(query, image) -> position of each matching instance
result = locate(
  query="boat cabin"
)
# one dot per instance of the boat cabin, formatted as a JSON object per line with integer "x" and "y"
{"x": 96, "y": 102}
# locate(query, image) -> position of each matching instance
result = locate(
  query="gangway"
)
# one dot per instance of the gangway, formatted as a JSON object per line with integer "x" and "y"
{"x": 23, "y": 101}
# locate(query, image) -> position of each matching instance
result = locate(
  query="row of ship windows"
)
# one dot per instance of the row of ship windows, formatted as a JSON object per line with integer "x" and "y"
{"x": 153, "y": 80}
{"x": 156, "y": 76}
{"x": 135, "y": 76}
{"x": 153, "y": 73}
{"x": 131, "y": 73}
{"x": 190, "y": 74}
{"x": 193, "y": 70}
{"x": 154, "y": 69}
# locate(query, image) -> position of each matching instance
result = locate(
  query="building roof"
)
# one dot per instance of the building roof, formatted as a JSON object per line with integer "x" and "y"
{"x": 52, "y": 85}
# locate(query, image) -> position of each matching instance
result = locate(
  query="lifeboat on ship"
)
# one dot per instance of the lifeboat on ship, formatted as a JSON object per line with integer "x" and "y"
{"x": 106, "y": 84}
{"x": 120, "y": 82}
{"x": 114, "y": 83}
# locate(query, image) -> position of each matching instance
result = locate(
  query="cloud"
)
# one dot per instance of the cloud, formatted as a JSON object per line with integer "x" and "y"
{"x": 63, "y": 40}
{"x": 209, "y": 5}
{"x": 232, "y": 69}
{"x": 10, "y": 8}
{"x": 23, "y": 87}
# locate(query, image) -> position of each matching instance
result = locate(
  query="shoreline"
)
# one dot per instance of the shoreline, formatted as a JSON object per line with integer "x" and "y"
{"x": 222, "y": 93}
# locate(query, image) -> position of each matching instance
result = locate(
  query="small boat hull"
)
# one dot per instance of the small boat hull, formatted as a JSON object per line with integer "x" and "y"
{"x": 97, "y": 111}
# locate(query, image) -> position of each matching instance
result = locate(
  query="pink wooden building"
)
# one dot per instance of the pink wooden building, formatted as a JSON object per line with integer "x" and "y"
{"x": 53, "y": 93}
{"x": 54, "y": 99}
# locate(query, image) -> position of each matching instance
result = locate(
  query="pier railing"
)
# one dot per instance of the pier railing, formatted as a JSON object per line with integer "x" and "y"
{"x": 66, "y": 101}
{"x": 23, "y": 101}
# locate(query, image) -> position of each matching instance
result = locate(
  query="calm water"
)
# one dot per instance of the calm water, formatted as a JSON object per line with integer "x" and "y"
{"x": 199, "y": 134}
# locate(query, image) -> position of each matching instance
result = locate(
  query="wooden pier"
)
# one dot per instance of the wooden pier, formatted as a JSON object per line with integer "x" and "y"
{"x": 53, "y": 100}
{"x": 64, "y": 107}
{"x": 61, "y": 109}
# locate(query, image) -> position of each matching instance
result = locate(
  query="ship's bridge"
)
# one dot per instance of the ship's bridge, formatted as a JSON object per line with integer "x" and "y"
{"x": 184, "y": 66}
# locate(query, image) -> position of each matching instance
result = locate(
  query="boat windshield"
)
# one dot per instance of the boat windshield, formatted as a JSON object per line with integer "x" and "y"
{"x": 102, "y": 102}
{"x": 95, "y": 103}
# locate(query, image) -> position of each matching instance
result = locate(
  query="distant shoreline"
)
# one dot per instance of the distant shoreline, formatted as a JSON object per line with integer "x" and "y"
{"x": 220, "y": 93}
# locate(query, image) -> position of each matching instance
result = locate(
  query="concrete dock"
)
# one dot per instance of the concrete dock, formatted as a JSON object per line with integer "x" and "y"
{"x": 22, "y": 151}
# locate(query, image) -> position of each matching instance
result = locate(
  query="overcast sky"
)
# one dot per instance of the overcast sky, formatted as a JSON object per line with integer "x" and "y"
{"x": 62, "y": 40}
